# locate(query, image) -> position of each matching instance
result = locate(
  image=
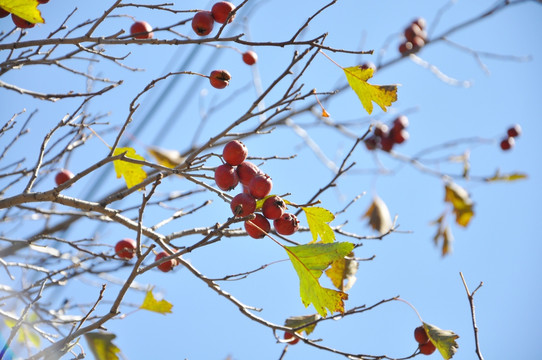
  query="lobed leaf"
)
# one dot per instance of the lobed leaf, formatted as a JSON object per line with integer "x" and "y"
{"x": 444, "y": 340}
{"x": 318, "y": 219}
{"x": 150, "y": 303}
{"x": 382, "y": 95}
{"x": 342, "y": 270}
{"x": 101, "y": 345}
{"x": 25, "y": 9}
{"x": 133, "y": 173}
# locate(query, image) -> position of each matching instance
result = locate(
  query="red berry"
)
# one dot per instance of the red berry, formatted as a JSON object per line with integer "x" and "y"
{"x": 203, "y": 23}
{"x": 514, "y": 131}
{"x": 3, "y": 13}
{"x": 260, "y": 186}
{"x": 417, "y": 43}
{"x": 21, "y": 23}
{"x": 63, "y": 176}
{"x": 226, "y": 177}
{"x": 246, "y": 171}
{"x": 141, "y": 30}
{"x": 288, "y": 336}
{"x": 235, "y": 152}
{"x": 386, "y": 143}
{"x": 219, "y": 79}
{"x": 287, "y": 224}
{"x": 400, "y": 122}
{"x": 257, "y": 227}
{"x": 273, "y": 207}
{"x": 428, "y": 348}
{"x": 405, "y": 48}
{"x": 250, "y": 57}
{"x": 412, "y": 31}
{"x": 508, "y": 143}
{"x": 368, "y": 65}
{"x": 243, "y": 205}
{"x": 420, "y": 335}
{"x": 166, "y": 265}
{"x": 43, "y": 1}
{"x": 420, "y": 22}
{"x": 221, "y": 10}
{"x": 371, "y": 143}
{"x": 399, "y": 136}
{"x": 381, "y": 130}
{"x": 125, "y": 248}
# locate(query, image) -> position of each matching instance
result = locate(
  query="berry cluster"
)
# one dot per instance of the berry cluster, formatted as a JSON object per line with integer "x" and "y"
{"x": 203, "y": 21}
{"x": 426, "y": 346}
{"x": 415, "y": 37}
{"x": 18, "y": 21}
{"x": 385, "y": 137}
{"x": 126, "y": 249}
{"x": 508, "y": 142}
{"x": 256, "y": 185}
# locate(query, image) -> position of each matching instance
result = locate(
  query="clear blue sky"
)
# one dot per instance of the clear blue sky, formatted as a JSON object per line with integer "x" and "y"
{"x": 500, "y": 247}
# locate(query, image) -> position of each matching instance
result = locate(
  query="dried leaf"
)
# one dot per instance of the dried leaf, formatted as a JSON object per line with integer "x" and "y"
{"x": 383, "y": 95}
{"x": 342, "y": 270}
{"x": 318, "y": 219}
{"x": 101, "y": 345}
{"x": 298, "y": 321}
{"x": 460, "y": 200}
{"x": 25, "y": 9}
{"x": 167, "y": 158}
{"x": 444, "y": 340}
{"x": 379, "y": 216}
{"x": 133, "y": 173}
{"x": 150, "y": 303}
{"x": 507, "y": 177}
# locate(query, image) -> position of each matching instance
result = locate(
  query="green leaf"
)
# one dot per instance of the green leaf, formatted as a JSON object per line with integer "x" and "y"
{"x": 133, "y": 173}
{"x": 298, "y": 321}
{"x": 318, "y": 219}
{"x": 310, "y": 261}
{"x": 150, "y": 303}
{"x": 444, "y": 340}
{"x": 101, "y": 345}
{"x": 460, "y": 200}
{"x": 342, "y": 270}
{"x": 383, "y": 95}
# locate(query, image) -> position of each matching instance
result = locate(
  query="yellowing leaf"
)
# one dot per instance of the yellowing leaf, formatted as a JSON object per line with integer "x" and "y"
{"x": 298, "y": 321}
{"x": 507, "y": 177}
{"x": 133, "y": 173}
{"x": 310, "y": 261}
{"x": 445, "y": 232}
{"x": 101, "y": 345}
{"x": 341, "y": 270}
{"x": 25, "y": 334}
{"x": 460, "y": 200}
{"x": 382, "y": 95}
{"x": 318, "y": 218}
{"x": 151, "y": 304}
{"x": 379, "y": 216}
{"x": 167, "y": 158}
{"x": 25, "y": 9}
{"x": 444, "y": 340}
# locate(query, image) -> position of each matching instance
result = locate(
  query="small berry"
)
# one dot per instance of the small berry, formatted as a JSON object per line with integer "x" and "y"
{"x": 400, "y": 122}
{"x": 428, "y": 348}
{"x": 219, "y": 79}
{"x": 43, "y": 1}
{"x": 514, "y": 131}
{"x": 508, "y": 143}
{"x": 405, "y": 48}
{"x": 368, "y": 65}
{"x": 141, "y": 30}
{"x": 381, "y": 130}
{"x": 386, "y": 143}
{"x": 221, "y": 10}
{"x": 63, "y": 176}
{"x": 250, "y": 57}
{"x": 399, "y": 136}
{"x": 235, "y": 152}
{"x": 243, "y": 205}
{"x": 257, "y": 227}
{"x": 21, "y": 23}
{"x": 226, "y": 177}
{"x": 288, "y": 336}
{"x": 273, "y": 207}
{"x": 287, "y": 224}
{"x": 246, "y": 171}
{"x": 125, "y": 248}
{"x": 421, "y": 335}
{"x": 202, "y": 23}
{"x": 412, "y": 31}
{"x": 260, "y": 186}
{"x": 420, "y": 22}
{"x": 371, "y": 143}
{"x": 3, "y": 13}
{"x": 417, "y": 43}
{"x": 166, "y": 265}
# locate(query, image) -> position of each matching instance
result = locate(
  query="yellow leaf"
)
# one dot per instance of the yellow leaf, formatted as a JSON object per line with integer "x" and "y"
{"x": 382, "y": 95}
{"x": 167, "y": 158}
{"x": 379, "y": 216}
{"x": 460, "y": 200}
{"x": 507, "y": 177}
{"x": 151, "y": 304}
{"x": 25, "y": 9}
{"x": 341, "y": 270}
{"x": 133, "y": 173}
{"x": 101, "y": 345}
{"x": 444, "y": 340}
{"x": 318, "y": 218}
{"x": 298, "y": 321}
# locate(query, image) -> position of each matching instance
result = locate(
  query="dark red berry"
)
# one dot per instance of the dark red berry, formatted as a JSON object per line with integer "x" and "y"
{"x": 381, "y": 130}
{"x": 289, "y": 336}
{"x": 219, "y": 78}
{"x": 412, "y": 31}
{"x": 226, "y": 177}
{"x": 243, "y": 205}
{"x": 166, "y": 265}
{"x": 257, "y": 227}
{"x": 125, "y": 248}
{"x": 514, "y": 131}
{"x": 399, "y": 136}
{"x": 508, "y": 143}
{"x": 203, "y": 23}
{"x": 234, "y": 152}
{"x": 287, "y": 224}
{"x": 43, "y": 1}
{"x": 260, "y": 186}
{"x": 273, "y": 207}
{"x": 428, "y": 348}
{"x": 368, "y": 65}
{"x": 421, "y": 335}
{"x": 3, "y": 13}
{"x": 386, "y": 143}
{"x": 221, "y": 10}
{"x": 420, "y": 22}
{"x": 21, "y": 23}
{"x": 141, "y": 30}
{"x": 400, "y": 122}
{"x": 250, "y": 57}
{"x": 63, "y": 176}
{"x": 246, "y": 171}
{"x": 371, "y": 143}
{"x": 405, "y": 48}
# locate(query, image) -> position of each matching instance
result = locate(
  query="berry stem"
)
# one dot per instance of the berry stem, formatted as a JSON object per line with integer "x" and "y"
{"x": 412, "y": 306}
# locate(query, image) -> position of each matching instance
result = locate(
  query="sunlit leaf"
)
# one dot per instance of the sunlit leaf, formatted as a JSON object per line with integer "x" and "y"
{"x": 310, "y": 261}
{"x": 25, "y": 334}
{"x": 507, "y": 177}
{"x": 444, "y": 340}
{"x": 25, "y": 9}
{"x": 151, "y": 304}
{"x": 318, "y": 219}
{"x": 460, "y": 200}
{"x": 167, "y": 158}
{"x": 342, "y": 270}
{"x": 379, "y": 216}
{"x": 298, "y": 321}
{"x": 101, "y": 345}
{"x": 133, "y": 173}
{"x": 382, "y": 95}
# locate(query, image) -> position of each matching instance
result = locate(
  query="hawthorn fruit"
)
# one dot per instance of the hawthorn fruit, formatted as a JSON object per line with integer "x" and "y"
{"x": 203, "y": 23}
{"x": 428, "y": 348}
{"x": 258, "y": 227}
{"x": 288, "y": 335}
{"x": 421, "y": 335}
{"x": 3, "y": 13}
{"x": 141, "y": 30}
{"x": 243, "y": 205}
{"x": 514, "y": 131}
{"x": 21, "y": 23}
{"x": 260, "y": 186}
{"x": 166, "y": 265}
{"x": 125, "y": 248}
{"x": 219, "y": 79}
{"x": 273, "y": 207}
{"x": 221, "y": 10}
{"x": 287, "y": 224}
{"x": 508, "y": 143}
{"x": 250, "y": 57}
{"x": 226, "y": 177}
{"x": 246, "y": 171}
{"x": 62, "y": 176}
{"x": 234, "y": 153}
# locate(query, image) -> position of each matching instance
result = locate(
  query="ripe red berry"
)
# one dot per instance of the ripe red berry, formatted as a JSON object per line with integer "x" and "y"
{"x": 166, "y": 265}
{"x": 141, "y": 30}
{"x": 381, "y": 130}
{"x": 257, "y": 227}
{"x": 371, "y": 143}
{"x": 63, "y": 176}
{"x": 260, "y": 186}
{"x": 412, "y": 31}
{"x": 399, "y": 136}
{"x": 420, "y": 335}
{"x": 243, "y": 205}
{"x": 273, "y": 207}
{"x": 287, "y": 224}
{"x": 250, "y": 57}
{"x": 417, "y": 43}
{"x": 221, "y": 10}
{"x": 368, "y": 65}
{"x": 235, "y": 152}
{"x": 428, "y": 348}
{"x": 400, "y": 122}
{"x": 405, "y": 48}
{"x": 219, "y": 79}
{"x": 43, "y": 1}
{"x": 125, "y": 248}
{"x": 21, "y": 23}
{"x": 420, "y": 22}
{"x": 226, "y": 177}
{"x": 288, "y": 335}
{"x": 246, "y": 171}
{"x": 508, "y": 143}
{"x": 203, "y": 23}
{"x": 386, "y": 143}
{"x": 3, "y": 13}
{"x": 514, "y": 131}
